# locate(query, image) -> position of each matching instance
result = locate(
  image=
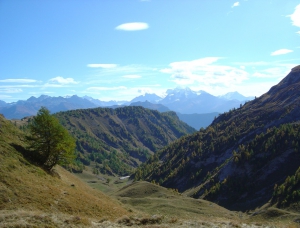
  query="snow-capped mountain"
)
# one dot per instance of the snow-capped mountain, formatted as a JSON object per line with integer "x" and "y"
{"x": 235, "y": 96}
{"x": 151, "y": 97}
{"x": 183, "y": 100}
{"x": 178, "y": 95}
{"x": 187, "y": 101}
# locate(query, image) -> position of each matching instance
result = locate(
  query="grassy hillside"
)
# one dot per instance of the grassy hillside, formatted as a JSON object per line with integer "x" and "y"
{"x": 241, "y": 156}
{"x": 177, "y": 210}
{"x": 154, "y": 199}
{"x": 117, "y": 140}
{"x": 29, "y": 195}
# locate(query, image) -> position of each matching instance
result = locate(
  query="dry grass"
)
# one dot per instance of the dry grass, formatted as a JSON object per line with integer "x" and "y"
{"x": 30, "y": 188}
{"x": 156, "y": 200}
{"x": 27, "y": 188}
{"x": 22, "y": 218}
{"x": 180, "y": 211}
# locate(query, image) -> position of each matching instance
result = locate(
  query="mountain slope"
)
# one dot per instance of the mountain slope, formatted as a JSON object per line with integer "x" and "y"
{"x": 119, "y": 139}
{"x": 51, "y": 200}
{"x": 240, "y": 157}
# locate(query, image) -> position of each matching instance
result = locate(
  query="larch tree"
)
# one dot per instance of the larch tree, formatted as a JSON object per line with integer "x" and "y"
{"x": 50, "y": 142}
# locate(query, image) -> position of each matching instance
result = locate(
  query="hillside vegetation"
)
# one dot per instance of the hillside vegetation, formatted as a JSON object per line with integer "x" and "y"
{"x": 118, "y": 140}
{"x": 239, "y": 159}
{"x": 29, "y": 195}
{"x": 32, "y": 197}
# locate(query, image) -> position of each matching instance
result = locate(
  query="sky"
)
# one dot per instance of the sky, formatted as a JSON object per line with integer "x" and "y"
{"x": 121, "y": 49}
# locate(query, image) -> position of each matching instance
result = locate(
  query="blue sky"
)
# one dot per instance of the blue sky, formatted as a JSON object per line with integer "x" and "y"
{"x": 120, "y": 49}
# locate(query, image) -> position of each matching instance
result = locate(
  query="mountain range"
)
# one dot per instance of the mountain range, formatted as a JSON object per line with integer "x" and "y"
{"x": 198, "y": 109}
{"x": 184, "y": 101}
{"x": 244, "y": 158}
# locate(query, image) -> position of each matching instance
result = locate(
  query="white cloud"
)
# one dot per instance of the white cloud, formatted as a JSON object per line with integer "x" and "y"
{"x": 281, "y": 52}
{"x": 18, "y": 80}
{"x": 118, "y": 74}
{"x": 134, "y": 26}
{"x": 100, "y": 65}
{"x": 235, "y": 4}
{"x": 131, "y": 76}
{"x": 277, "y": 71}
{"x": 62, "y": 81}
{"x": 204, "y": 71}
{"x": 295, "y": 17}
{"x": 246, "y": 89}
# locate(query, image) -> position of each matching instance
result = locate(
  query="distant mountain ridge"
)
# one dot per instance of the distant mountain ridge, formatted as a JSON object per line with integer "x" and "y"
{"x": 103, "y": 103}
{"x": 242, "y": 156}
{"x": 236, "y": 96}
{"x": 187, "y": 101}
{"x": 147, "y": 104}
{"x": 195, "y": 120}
{"x": 30, "y": 106}
{"x": 182, "y": 100}
{"x": 152, "y": 98}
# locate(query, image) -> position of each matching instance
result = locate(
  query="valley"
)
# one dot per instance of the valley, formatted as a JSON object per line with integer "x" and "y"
{"x": 150, "y": 114}
{"x": 137, "y": 167}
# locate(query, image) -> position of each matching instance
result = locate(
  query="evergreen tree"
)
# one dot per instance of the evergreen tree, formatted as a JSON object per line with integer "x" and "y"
{"x": 49, "y": 141}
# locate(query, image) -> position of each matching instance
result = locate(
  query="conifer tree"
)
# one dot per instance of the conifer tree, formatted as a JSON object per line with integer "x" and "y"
{"x": 50, "y": 141}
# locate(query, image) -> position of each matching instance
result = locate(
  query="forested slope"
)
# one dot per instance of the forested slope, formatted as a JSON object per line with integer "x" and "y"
{"x": 241, "y": 156}
{"x": 120, "y": 139}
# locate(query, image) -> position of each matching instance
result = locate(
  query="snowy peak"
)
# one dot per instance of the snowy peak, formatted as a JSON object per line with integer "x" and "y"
{"x": 151, "y": 97}
{"x": 179, "y": 90}
{"x": 180, "y": 93}
{"x": 235, "y": 96}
